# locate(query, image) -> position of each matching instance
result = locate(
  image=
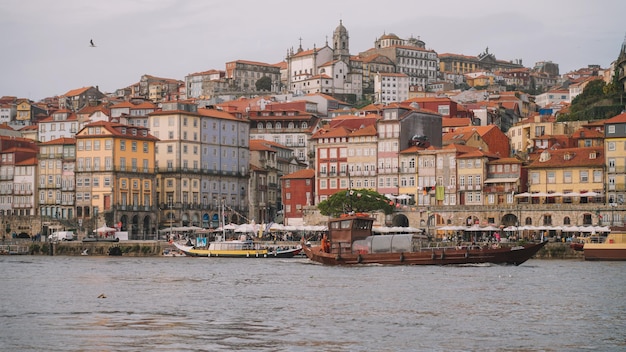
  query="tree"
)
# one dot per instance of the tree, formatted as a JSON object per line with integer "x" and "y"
{"x": 356, "y": 200}
{"x": 264, "y": 83}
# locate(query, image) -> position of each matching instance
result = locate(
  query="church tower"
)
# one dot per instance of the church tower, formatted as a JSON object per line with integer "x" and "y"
{"x": 341, "y": 43}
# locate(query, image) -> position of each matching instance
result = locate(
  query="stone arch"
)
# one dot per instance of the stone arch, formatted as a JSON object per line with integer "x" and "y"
{"x": 134, "y": 228}
{"x": 185, "y": 219}
{"x": 124, "y": 221}
{"x": 195, "y": 220}
{"x": 147, "y": 226}
{"x": 509, "y": 220}
{"x": 471, "y": 220}
{"x": 400, "y": 220}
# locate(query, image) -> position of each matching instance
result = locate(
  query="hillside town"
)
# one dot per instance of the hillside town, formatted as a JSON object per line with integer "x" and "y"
{"x": 452, "y": 141}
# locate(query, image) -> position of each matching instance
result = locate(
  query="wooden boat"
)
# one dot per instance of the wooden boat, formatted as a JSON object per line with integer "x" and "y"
{"x": 612, "y": 248}
{"x": 237, "y": 249}
{"x": 350, "y": 241}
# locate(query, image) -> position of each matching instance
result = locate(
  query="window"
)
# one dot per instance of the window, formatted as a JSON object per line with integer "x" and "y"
{"x": 534, "y": 178}
{"x": 597, "y": 176}
{"x": 611, "y": 146}
{"x": 584, "y": 176}
{"x": 611, "y": 129}
{"x": 540, "y": 131}
{"x": 567, "y": 177}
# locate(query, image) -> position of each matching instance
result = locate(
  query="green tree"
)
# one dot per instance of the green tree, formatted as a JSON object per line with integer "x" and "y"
{"x": 357, "y": 200}
{"x": 264, "y": 83}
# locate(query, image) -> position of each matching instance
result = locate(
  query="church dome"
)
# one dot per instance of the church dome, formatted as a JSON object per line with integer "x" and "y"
{"x": 340, "y": 28}
{"x": 389, "y": 36}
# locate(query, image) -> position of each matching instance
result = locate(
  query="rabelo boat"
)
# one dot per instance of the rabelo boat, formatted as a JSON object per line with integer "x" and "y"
{"x": 350, "y": 242}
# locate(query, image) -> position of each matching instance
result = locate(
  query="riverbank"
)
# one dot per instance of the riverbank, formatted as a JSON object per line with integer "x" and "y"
{"x": 556, "y": 250}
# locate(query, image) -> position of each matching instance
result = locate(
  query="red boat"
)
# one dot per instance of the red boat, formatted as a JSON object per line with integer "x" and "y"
{"x": 350, "y": 242}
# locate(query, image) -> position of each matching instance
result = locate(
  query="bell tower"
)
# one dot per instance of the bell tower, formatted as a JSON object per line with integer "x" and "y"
{"x": 341, "y": 43}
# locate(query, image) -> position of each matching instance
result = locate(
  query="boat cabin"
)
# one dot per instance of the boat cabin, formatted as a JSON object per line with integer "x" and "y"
{"x": 343, "y": 231}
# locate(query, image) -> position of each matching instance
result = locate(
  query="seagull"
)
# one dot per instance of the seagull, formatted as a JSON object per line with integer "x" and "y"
{"x": 91, "y": 44}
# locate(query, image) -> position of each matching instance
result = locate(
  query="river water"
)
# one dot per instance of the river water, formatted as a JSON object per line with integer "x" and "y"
{"x": 220, "y": 304}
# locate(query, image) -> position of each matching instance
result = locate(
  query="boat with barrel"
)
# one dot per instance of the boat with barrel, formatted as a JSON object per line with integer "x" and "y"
{"x": 350, "y": 241}
{"x": 612, "y": 247}
{"x": 239, "y": 248}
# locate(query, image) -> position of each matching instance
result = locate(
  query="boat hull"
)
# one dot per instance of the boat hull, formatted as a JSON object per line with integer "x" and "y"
{"x": 436, "y": 256}
{"x": 613, "y": 248}
{"x": 601, "y": 251}
{"x": 238, "y": 253}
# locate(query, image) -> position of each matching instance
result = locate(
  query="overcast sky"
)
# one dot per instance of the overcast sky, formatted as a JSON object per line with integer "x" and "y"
{"x": 45, "y": 44}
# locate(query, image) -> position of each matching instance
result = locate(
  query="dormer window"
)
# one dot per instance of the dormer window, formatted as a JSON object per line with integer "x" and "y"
{"x": 592, "y": 155}
{"x": 123, "y": 130}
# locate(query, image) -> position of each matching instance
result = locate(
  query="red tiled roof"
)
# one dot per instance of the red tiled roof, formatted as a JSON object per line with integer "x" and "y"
{"x": 262, "y": 144}
{"x": 456, "y": 122}
{"x": 575, "y": 157}
{"x": 75, "y": 92}
{"x": 302, "y": 174}
{"x": 621, "y": 118}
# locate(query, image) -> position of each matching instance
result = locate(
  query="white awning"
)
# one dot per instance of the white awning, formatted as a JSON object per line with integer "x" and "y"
{"x": 502, "y": 180}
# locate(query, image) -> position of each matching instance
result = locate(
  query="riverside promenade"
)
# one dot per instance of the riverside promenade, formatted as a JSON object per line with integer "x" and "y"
{"x": 151, "y": 248}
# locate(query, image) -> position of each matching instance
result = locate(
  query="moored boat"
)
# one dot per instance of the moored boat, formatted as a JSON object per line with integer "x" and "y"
{"x": 612, "y": 248}
{"x": 350, "y": 241}
{"x": 242, "y": 248}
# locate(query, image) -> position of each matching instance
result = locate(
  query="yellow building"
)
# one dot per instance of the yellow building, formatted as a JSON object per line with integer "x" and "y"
{"x": 472, "y": 173}
{"x": 567, "y": 176}
{"x": 115, "y": 178}
{"x": 361, "y": 164}
{"x": 56, "y": 179}
{"x": 526, "y": 135}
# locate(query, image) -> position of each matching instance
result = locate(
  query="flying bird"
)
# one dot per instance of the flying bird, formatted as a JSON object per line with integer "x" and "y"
{"x": 91, "y": 44}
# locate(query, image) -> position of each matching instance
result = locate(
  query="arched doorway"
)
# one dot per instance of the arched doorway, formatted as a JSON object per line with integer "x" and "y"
{"x": 124, "y": 222}
{"x": 400, "y": 220}
{"x": 205, "y": 220}
{"x": 134, "y": 230}
{"x": 472, "y": 220}
{"x": 195, "y": 221}
{"x": 147, "y": 227}
{"x": 185, "y": 219}
{"x": 509, "y": 220}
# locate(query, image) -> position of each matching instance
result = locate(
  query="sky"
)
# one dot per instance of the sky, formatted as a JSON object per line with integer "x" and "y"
{"x": 44, "y": 45}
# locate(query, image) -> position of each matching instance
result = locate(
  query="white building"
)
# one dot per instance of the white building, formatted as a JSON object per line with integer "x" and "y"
{"x": 391, "y": 87}
{"x": 62, "y": 123}
{"x": 552, "y": 97}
